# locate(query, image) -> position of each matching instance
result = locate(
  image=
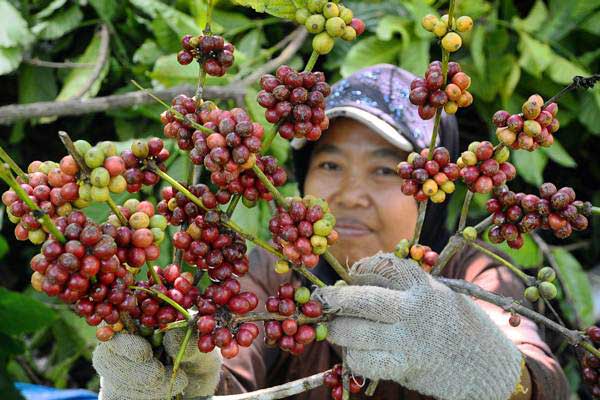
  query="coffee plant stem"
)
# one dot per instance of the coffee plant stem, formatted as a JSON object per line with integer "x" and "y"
{"x": 279, "y": 199}
{"x": 338, "y": 268}
{"x": 233, "y": 204}
{"x": 420, "y": 221}
{"x": 529, "y": 280}
{"x": 13, "y": 165}
{"x": 175, "y": 325}
{"x": 509, "y": 304}
{"x": 190, "y": 179}
{"x": 310, "y": 276}
{"x": 154, "y": 274}
{"x": 464, "y": 212}
{"x": 209, "y": 12}
{"x": 68, "y": 143}
{"x": 113, "y": 206}
{"x": 178, "y": 186}
{"x": 266, "y": 316}
{"x": 371, "y": 388}
{"x": 269, "y": 137}
{"x": 579, "y": 82}
{"x": 314, "y": 56}
{"x": 278, "y": 392}
{"x": 164, "y": 298}
{"x": 180, "y": 353}
{"x": 46, "y": 221}
{"x": 179, "y": 116}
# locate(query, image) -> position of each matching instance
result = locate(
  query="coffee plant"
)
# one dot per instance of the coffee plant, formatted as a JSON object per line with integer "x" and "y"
{"x": 97, "y": 269}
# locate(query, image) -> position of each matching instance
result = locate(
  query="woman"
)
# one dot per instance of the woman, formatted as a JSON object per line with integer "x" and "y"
{"x": 395, "y": 323}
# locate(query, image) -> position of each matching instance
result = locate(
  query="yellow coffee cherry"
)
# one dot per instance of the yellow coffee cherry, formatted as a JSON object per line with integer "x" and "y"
{"x": 440, "y": 29}
{"x": 464, "y": 24}
{"x": 36, "y": 281}
{"x": 430, "y": 187}
{"x": 445, "y": 20}
{"x": 448, "y": 187}
{"x": 282, "y": 267}
{"x": 451, "y": 107}
{"x": 428, "y": 22}
{"x": 451, "y": 42}
{"x": 438, "y": 197}
{"x": 349, "y": 34}
{"x": 469, "y": 158}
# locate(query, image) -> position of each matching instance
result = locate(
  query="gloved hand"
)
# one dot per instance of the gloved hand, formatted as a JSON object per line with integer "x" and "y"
{"x": 129, "y": 371}
{"x": 398, "y": 323}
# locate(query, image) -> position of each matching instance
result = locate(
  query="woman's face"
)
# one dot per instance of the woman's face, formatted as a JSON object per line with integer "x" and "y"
{"x": 353, "y": 169}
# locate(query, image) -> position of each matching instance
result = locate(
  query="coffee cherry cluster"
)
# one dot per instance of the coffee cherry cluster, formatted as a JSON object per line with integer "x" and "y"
{"x": 448, "y": 32}
{"x": 293, "y": 333}
{"x": 591, "y": 364}
{"x": 544, "y": 286}
{"x": 85, "y": 271}
{"x": 177, "y": 208}
{"x": 304, "y": 230}
{"x": 251, "y": 188}
{"x": 333, "y": 380}
{"x": 428, "y": 179}
{"x": 512, "y": 214}
{"x": 180, "y": 128}
{"x": 429, "y": 93}
{"x": 137, "y": 160}
{"x": 176, "y": 285}
{"x": 561, "y": 212}
{"x": 215, "y": 55}
{"x": 296, "y": 101}
{"x": 52, "y": 190}
{"x": 533, "y": 128}
{"x": 106, "y": 168}
{"x": 422, "y": 254}
{"x": 138, "y": 241}
{"x": 328, "y": 20}
{"x": 483, "y": 168}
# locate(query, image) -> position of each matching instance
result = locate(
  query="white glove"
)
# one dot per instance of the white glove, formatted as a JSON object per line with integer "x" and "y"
{"x": 401, "y": 324}
{"x": 129, "y": 371}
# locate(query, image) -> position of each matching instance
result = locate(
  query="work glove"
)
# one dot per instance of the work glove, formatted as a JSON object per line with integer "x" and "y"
{"x": 129, "y": 371}
{"x": 398, "y": 323}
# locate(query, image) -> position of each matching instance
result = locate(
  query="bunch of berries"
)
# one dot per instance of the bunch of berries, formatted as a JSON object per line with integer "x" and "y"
{"x": 295, "y": 100}
{"x": 561, "y": 212}
{"x": 482, "y": 168}
{"x": 303, "y": 230}
{"x": 333, "y": 380}
{"x": 531, "y": 129}
{"x": 137, "y": 160}
{"x": 138, "y": 241}
{"x": 430, "y": 93}
{"x": 512, "y": 214}
{"x": 329, "y": 20}
{"x": 176, "y": 285}
{"x": 177, "y": 208}
{"x": 86, "y": 271}
{"x": 544, "y": 286}
{"x": 422, "y": 254}
{"x": 176, "y": 121}
{"x": 293, "y": 333}
{"x": 219, "y": 251}
{"x": 591, "y": 363}
{"x": 428, "y": 179}
{"x": 53, "y": 191}
{"x": 448, "y": 32}
{"x": 215, "y": 55}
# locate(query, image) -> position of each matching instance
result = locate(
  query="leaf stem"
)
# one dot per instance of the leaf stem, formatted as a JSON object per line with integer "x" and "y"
{"x": 164, "y": 298}
{"x": 153, "y": 274}
{"x": 179, "y": 187}
{"x": 179, "y": 357}
{"x": 338, "y": 268}
{"x": 279, "y": 199}
{"x": 233, "y": 204}
{"x": 84, "y": 170}
{"x": 314, "y": 56}
{"x": 464, "y": 212}
{"x": 116, "y": 211}
{"x": 13, "y": 165}
{"x": 420, "y": 221}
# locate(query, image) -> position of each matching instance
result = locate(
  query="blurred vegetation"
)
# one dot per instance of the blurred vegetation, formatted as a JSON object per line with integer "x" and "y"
{"x": 517, "y": 48}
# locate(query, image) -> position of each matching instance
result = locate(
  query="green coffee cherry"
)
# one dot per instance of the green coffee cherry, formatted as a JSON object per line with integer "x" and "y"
{"x": 37, "y": 236}
{"x": 82, "y": 146}
{"x": 158, "y": 221}
{"x": 547, "y": 290}
{"x": 329, "y": 217}
{"x": 346, "y": 14}
{"x": 108, "y": 148}
{"x": 316, "y": 6}
{"x": 349, "y": 34}
{"x": 315, "y": 23}
{"x": 94, "y": 157}
{"x": 321, "y": 332}
{"x": 117, "y": 184}
{"x": 302, "y": 15}
{"x": 502, "y": 155}
{"x": 319, "y": 244}
{"x": 100, "y": 177}
{"x": 546, "y": 274}
{"x": 473, "y": 146}
{"x": 139, "y": 148}
{"x": 302, "y": 295}
{"x": 145, "y": 330}
{"x": 322, "y": 227}
{"x": 532, "y": 294}
{"x": 331, "y": 10}
{"x": 335, "y": 26}
{"x": 131, "y": 204}
{"x": 159, "y": 235}
{"x": 85, "y": 191}
{"x": 81, "y": 203}
{"x": 470, "y": 233}
{"x": 157, "y": 338}
{"x": 402, "y": 249}
{"x": 100, "y": 194}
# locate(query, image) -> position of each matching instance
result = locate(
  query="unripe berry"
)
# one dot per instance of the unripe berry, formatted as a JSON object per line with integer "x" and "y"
{"x": 464, "y": 24}
{"x": 335, "y": 26}
{"x": 302, "y": 15}
{"x": 440, "y": 28}
{"x": 315, "y": 23}
{"x": 546, "y": 274}
{"x": 470, "y": 233}
{"x": 451, "y": 42}
{"x": 547, "y": 290}
{"x": 429, "y": 21}
{"x": 532, "y": 294}
{"x": 331, "y": 10}
{"x": 349, "y": 34}
{"x": 323, "y": 43}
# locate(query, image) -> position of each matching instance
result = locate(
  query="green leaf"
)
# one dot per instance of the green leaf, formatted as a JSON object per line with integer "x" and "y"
{"x": 147, "y": 53}
{"x": 534, "y": 21}
{"x": 277, "y": 8}
{"x": 530, "y": 165}
{"x": 391, "y": 24}
{"x": 414, "y": 56}
{"x": 589, "y": 110}
{"x": 562, "y": 70}
{"x": 79, "y": 76}
{"x": 591, "y": 24}
{"x": 106, "y": 9}
{"x": 36, "y": 84}
{"x": 477, "y": 49}
{"x": 10, "y": 346}
{"x": 61, "y": 23}
{"x": 369, "y": 51}
{"x": 181, "y": 23}
{"x": 13, "y": 29}
{"x": 527, "y": 256}
{"x": 535, "y": 55}
{"x": 49, "y": 9}
{"x": 3, "y": 246}
{"x": 22, "y": 314}
{"x": 166, "y": 38}
{"x": 559, "y": 155}
{"x": 512, "y": 81}
{"x": 576, "y": 283}
{"x": 251, "y": 43}
{"x": 10, "y": 58}
{"x": 169, "y": 72}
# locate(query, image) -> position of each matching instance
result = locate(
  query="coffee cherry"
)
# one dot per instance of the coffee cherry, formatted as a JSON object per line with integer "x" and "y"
{"x": 532, "y": 294}
{"x": 546, "y": 274}
{"x": 323, "y": 43}
{"x": 451, "y": 42}
{"x": 514, "y": 320}
{"x": 470, "y": 233}
{"x": 547, "y": 290}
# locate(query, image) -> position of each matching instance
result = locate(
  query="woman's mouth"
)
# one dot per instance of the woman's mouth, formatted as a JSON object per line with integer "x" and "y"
{"x": 350, "y": 227}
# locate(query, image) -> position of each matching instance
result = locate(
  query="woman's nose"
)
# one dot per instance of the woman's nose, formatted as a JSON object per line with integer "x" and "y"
{"x": 352, "y": 193}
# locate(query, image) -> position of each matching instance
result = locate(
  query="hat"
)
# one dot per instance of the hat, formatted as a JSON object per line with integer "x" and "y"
{"x": 378, "y": 97}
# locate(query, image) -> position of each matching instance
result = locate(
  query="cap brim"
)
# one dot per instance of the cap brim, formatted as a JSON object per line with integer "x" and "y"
{"x": 376, "y": 124}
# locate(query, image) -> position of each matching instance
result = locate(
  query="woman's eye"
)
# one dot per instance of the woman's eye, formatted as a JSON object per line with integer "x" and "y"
{"x": 329, "y": 166}
{"x": 385, "y": 171}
